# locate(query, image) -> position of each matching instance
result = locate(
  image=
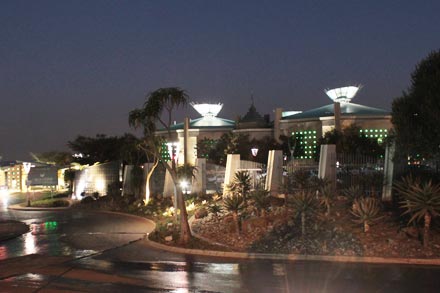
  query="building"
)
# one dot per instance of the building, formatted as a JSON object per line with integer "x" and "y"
{"x": 208, "y": 126}
{"x": 13, "y": 175}
{"x": 308, "y": 126}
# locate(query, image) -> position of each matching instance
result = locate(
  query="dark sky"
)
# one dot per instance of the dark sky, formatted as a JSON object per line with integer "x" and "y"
{"x": 78, "y": 67}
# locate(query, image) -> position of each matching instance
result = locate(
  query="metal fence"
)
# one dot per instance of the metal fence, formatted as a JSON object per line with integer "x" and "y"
{"x": 365, "y": 172}
{"x": 215, "y": 177}
{"x": 256, "y": 170}
{"x": 292, "y": 166}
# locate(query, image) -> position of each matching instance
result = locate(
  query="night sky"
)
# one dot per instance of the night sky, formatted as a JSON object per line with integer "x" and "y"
{"x": 79, "y": 67}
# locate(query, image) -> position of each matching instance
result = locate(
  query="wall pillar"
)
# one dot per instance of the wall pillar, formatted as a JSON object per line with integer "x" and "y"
{"x": 199, "y": 182}
{"x": 327, "y": 163}
{"x": 274, "y": 172}
{"x": 232, "y": 165}
{"x": 388, "y": 172}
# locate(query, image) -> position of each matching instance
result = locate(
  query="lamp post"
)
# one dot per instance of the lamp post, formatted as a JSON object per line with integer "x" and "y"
{"x": 27, "y": 167}
{"x": 254, "y": 152}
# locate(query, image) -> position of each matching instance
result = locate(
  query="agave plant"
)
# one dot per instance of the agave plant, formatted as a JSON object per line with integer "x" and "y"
{"x": 421, "y": 200}
{"x": 235, "y": 204}
{"x": 261, "y": 199}
{"x": 367, "y": 212}
{"x": 306, "y": 206}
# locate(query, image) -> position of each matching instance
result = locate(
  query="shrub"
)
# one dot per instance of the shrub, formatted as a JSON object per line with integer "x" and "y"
{"x": 50, "y": 203}
{"x": 88, "y": 199}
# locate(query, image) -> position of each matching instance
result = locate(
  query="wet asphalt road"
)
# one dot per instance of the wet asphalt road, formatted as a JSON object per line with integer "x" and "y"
{"x": 81, "y": 251}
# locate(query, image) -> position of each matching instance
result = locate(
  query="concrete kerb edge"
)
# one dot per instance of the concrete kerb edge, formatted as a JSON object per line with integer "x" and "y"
{"x": 294, "y": 257}
{"x": 290, "y": 257}
{"x": 17, "y": 207}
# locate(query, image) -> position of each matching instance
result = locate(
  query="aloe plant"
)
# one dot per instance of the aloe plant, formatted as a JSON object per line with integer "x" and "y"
{"x": 367, "y": 212}
{"x": 301, "y": 179}
{"x": 241, "y": 183}
{"x": 215, "y": 209}
{"x": 352, "y": 193}
{"x": 327, "y": 195}
{"x": 235, "y": 204}
{"x": 261, "y": 200}
{"x": 305, "y": 205}
{"x": 421, "y": 200}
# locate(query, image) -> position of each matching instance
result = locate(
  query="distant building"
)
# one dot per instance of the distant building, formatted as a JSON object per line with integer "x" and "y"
{"x": 254, "y": 125}
{"x": 306, "y": 126}
{"x": 14, "y": 175}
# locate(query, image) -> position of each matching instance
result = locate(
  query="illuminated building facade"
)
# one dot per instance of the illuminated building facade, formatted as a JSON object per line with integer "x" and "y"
{"x": 308, "y": 126}
{"x": 305, "y": 126}
{"x": 13, "y": 175}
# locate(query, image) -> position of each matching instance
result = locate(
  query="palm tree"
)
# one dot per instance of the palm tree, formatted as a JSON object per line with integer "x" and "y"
{"x": 421, "y": 200}
{"x": 235, "y": 203}
{"x": 159, "y": 108}
{"x": 366, "y": 210}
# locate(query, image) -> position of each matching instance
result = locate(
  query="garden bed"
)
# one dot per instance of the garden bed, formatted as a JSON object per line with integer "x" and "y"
{"x": 334, "y": 235}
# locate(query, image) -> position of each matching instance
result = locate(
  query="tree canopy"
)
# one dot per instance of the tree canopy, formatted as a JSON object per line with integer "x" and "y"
{"x": 216, "y": 151}
{"x": 415, "y": 114}
{"x": 54, "y": 158}
{"x": 350, "y": 141}
{"x": 103, "y": 148}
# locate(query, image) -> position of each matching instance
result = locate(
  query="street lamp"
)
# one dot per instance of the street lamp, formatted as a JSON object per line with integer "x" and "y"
{"x": 184, "y": 186}
{"x": 254, "y": 151}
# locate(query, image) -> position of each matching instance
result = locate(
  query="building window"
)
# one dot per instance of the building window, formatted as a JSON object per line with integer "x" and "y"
{"x": 304, "y": 144}
{"x": 378, "y": 133}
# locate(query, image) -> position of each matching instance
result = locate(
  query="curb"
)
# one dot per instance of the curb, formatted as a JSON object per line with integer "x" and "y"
{"x": 289, "y": 257}
{"x": 17, "y": 207}
{"x": 295, "y": 257}
{"x": 259, "y": 256}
